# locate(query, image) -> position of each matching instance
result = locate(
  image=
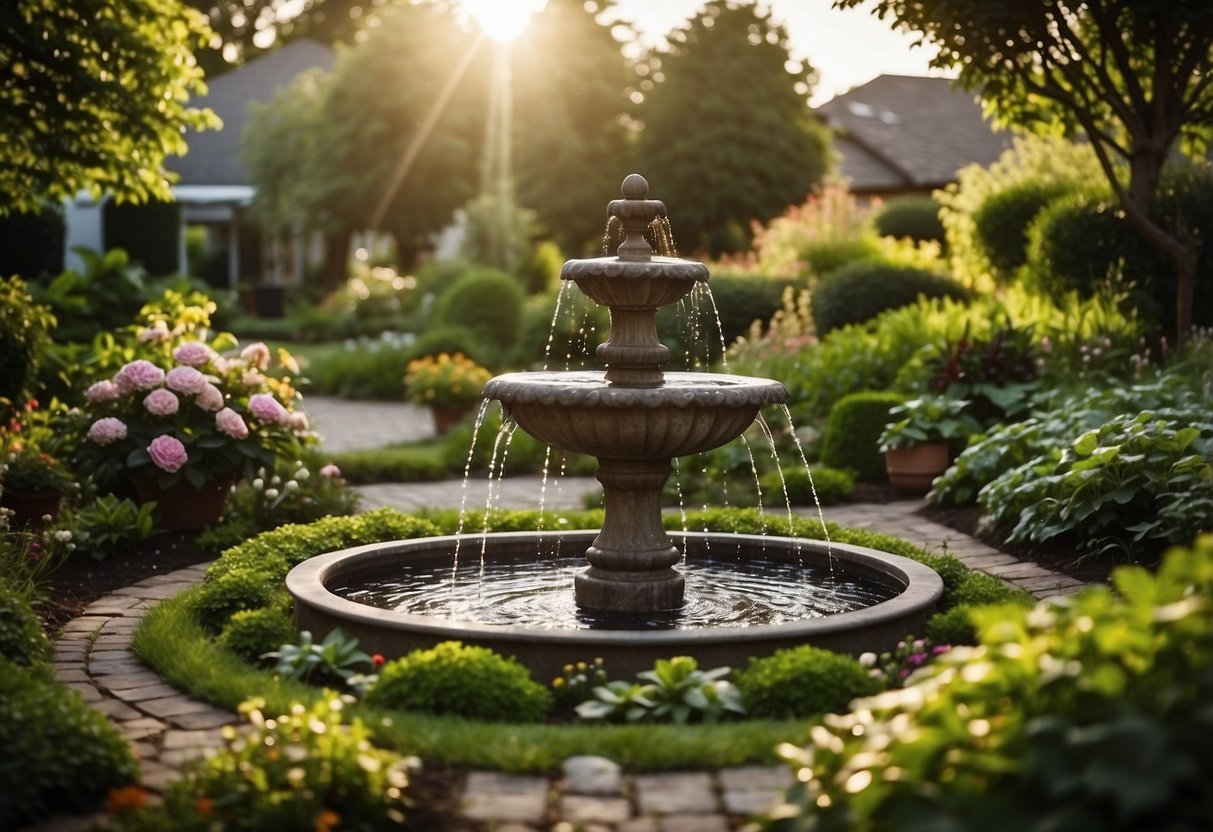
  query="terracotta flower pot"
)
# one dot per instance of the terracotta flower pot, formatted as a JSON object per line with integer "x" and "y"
{"x": 447, "y": 416}
{"x": 183, "y": 508}
{"x": 912, "y": 470}
{"x": 30, "y": 507}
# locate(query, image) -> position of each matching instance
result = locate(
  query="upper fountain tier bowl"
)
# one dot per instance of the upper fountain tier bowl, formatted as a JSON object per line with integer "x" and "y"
{"x": 581, "y": 412}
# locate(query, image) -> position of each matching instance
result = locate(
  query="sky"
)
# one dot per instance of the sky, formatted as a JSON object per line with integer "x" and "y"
{"x": 846, "y": 47}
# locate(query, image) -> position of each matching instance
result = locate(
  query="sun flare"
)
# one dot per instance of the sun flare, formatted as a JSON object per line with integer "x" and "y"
{"x": 502, "y": 20}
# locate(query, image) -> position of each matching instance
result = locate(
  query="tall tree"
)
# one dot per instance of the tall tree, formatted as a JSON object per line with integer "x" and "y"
{"x": 570, "y": 143}
{"x": 242, "y": 28}
{"x": 1135, "y": 77}
{"x": 94, "y": 94}
{"x": 728, "y": 138}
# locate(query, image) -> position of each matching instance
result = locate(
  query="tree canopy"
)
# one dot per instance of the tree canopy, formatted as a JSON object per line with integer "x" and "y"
{"x": 94, "y": 94}
{"x": 1134, "y": 77}
{"x": 728, "y": 136}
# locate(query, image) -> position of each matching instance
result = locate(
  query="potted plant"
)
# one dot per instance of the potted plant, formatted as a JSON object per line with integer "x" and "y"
{"x": 449, "y": 384}
{"x": 183, "y": 430}
{"x": 917, "y": 443}
{"x": 32, "y": 484}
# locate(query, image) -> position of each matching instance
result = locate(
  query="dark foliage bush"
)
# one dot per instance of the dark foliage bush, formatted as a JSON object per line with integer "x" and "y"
{"x": 564, "y": 340}
{"x": 31, "y": 245}
{"x": 850, "y": 440}
{"x": 802, "y": 681}
{"x": 860, "y": 291}
{"x": 954, "y": 627}
{"x": 467, "y": 681}
{"x": 22, "y": 639}
{"x": 695, "y": 326}
{"x": 457, "y": 338}
{"x": 487, "y": 302}
{"x": 1002, "y": 221}
{"x": 58, "y": 753}
{"x": 149, "y": 233}
{"x": 916, "y": 217}
{"x": 251, "y": 633}
{"x": 1080, "y": 241}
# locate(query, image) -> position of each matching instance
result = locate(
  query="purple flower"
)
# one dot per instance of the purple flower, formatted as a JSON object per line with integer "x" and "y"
{"x": 210, "y": 398}
{"x": 102, "y": 391}
{"x": 161, "y": 402}
{"x": 231, "y": 423}
{"x": 268, "y": 409}
{"x": 107, "y": 430}
{"x": 186, "y": 379}
{"x": 194, "y": 353}
{"x": 139, "y": 375}
{"x": 167, "y": 453}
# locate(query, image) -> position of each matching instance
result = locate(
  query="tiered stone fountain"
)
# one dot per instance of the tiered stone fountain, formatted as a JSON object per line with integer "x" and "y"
{"x": 635, "y": 419}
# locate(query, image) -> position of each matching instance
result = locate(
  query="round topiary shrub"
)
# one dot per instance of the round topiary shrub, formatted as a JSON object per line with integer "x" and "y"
{"x": 851, "y": 437}
{"x": 59, "y": 754}
{"x": 1002, "y": 221}
{"x": 467, "y": 681}
{"x": 22, "y": 639}
{"x": 913, "y": 216}
{"x": 487, "y": 302}
{"x": 828, "y": 485}
{"x": 803, "y": 681}
{"x": 25, "y": 328}
{"x": 954, "y": 627}
{"x": 860, "y": 291}
{"x": 251, "y": 633}
{"x": 241, "y": 589}
{"x": 451, "y": 339}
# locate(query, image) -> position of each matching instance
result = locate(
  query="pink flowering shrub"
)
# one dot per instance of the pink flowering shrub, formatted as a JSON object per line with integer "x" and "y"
{"x": 191, "y": 414}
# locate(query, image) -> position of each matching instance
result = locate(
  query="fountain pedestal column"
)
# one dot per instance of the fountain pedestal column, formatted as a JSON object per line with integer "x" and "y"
{"x": 632, "y": 559}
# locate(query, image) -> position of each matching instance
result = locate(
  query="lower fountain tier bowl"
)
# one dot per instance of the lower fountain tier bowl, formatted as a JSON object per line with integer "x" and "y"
{"x": 913, "y": 588}
{"x": 581, "y": 412}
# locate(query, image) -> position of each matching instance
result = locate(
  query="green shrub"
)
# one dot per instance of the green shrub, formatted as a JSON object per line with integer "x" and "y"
{"x": 272, "y": 554}
{"x": 456, "y": 338}
{"x": 363, "y": 369}
{"x": 852, "y": 433}
{"x": 696, "y": 327}
{"x": 22, "y": 639}
{"x": 860, "y": 291}
{"x": 1084, "y": 713}
{"x": 301, "y": 770}
{"x": 251, "y": 633}
{"x": 394, "y": 464}
{"x": 219, "y": 599}
{"x": 821, "y": 484}
{"x": 59, "y": 754}
{"x": 487, "y": 302}
{"x": 567, "y": 339}
{"x": 1003, "y": 219}
{"x": 25, "y": 328}
{"x": 802, "y": 681}
{"x": 467, "y": 681}
{"x": 954, "y": 626}
{"x": 914, "y": 216}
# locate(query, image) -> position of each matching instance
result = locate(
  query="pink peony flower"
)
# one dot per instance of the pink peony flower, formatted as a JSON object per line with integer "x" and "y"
{"x": 210, "y": 398}
{"x": 194, "y": 353}
{"x": 330, "y": 470}
{"x": 298, "y": 421}
{"x": 102, "y": 391}
{"x": 252, "y": 378}
{"x": 107, "y": 430}
{"x": 167, "y": 453}
{"x": 186, "y": 379}
{"x": 139, "y": 375}
{"x": 268, "y": 409}
{"x": 161, "y": 402}
{"x": 230, "y": 422}
{"x": 154, "y": 334}
{"x": 257, "y": 355}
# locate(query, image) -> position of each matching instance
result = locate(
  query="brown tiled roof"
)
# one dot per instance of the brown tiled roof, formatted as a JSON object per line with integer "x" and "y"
{"x": 901, "y": 132}
{"x": 214, "y": 156}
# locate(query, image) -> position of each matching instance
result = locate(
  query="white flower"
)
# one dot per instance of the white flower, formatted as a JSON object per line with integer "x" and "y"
{"x": 271, "y": 493}
{"x": 867, "y": 659}
{"x": 291, "y": 485}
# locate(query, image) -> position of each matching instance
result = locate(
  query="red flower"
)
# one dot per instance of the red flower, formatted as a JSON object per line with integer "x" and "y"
{"x": 377, "y": 660}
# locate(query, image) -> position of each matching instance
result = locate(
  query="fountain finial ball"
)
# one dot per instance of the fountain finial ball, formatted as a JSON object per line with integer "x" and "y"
{"x": 634, "y": 186}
